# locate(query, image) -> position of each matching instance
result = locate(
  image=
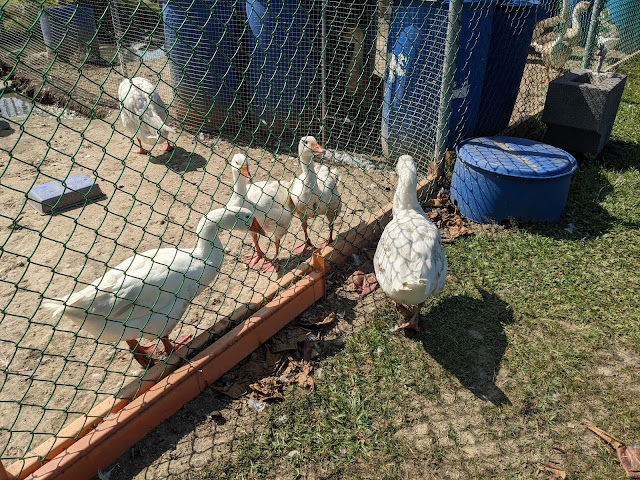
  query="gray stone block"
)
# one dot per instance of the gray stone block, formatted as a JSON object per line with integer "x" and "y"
{"x": 58, "y": 195}
{"x": 580, "y": 109}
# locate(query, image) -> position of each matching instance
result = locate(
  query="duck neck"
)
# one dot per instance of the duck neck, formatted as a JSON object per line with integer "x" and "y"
{"x": 239, "y": 184}
{"x": 406, "y": 196}
{"x": 207, "y": 239}
{"x": 308, "y": 172}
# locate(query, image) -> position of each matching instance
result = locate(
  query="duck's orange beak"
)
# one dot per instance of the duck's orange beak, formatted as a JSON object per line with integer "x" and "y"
{"x": 256, "y": 227}
{"x": 244, "y": 170}
{"x": 317, "y": 148}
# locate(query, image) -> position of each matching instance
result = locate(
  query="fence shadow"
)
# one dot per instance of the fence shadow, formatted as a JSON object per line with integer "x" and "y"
{"x": 466, "y": 336}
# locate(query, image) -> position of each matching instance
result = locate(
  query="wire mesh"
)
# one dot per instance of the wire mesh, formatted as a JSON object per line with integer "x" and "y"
{"x": 364, "y": 77}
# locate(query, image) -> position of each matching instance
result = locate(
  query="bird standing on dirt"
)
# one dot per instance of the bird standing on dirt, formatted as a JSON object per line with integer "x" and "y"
{"x": 269, "y": 201}
{"x": 409, "y": 262}
{"x": 314, "y": 192}
{"x": 147, "y": 294}
{"x": 143, "y": 112}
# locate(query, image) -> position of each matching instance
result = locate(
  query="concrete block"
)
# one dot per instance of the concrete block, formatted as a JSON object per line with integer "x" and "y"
{"x": 580, "y": 109}
{"x": 54, "y": 197}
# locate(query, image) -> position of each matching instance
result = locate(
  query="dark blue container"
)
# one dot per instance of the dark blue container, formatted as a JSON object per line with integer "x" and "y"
{"x": 284, "y": 49}
{"x": 501, "y": 177}
{"x": 416, "y": 49}
{"x": 548, "y": 8}
{"x": 77, "y": 21}
{"x": 513, "y": 23}
{"x": 202, "y": 38}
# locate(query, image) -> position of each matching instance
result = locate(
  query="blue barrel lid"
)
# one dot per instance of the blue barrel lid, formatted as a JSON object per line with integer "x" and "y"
{"x": 516, "y": 157}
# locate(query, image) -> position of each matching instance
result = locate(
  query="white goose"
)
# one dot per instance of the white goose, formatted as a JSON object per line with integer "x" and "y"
{"x": 147, "y": 294}
{"x": 556, "y": 48}
{"x": 314, "y": 192}
{"x": 143, "y": 112}
{"x": 409, "y": 262}
{"x": 270, "y": 201}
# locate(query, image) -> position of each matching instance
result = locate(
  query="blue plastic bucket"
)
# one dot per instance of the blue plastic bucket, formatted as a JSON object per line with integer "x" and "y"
{"x": 504, "y": 177}
{"x": 513, "y": 23}
{"x": 416, "y": 48}
{"x": 77, "y": 21}
{"x": 284, "y": 51}
{"x": 202, "y": 39}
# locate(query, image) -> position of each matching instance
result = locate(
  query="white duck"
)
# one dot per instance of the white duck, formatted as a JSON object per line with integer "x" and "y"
{"x": 556, "y": 48}
{"x": 552, "y": 25}
{"x": 143, "y": 112}
{"x": 147, "y": 294}
{"x": 409, "y": 262}
{"x": 314, "y": 192}
{"x": 270, "y": 201}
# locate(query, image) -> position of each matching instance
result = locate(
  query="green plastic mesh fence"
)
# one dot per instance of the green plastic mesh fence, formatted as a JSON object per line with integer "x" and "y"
{"x": 368, "y": 79}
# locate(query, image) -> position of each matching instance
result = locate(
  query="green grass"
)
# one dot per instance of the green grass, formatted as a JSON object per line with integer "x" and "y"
{"x": 536, "y": 335}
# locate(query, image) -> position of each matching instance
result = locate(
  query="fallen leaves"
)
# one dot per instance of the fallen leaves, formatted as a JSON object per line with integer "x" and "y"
{"x": 447, "y": 218}
{"x": 555, "y": 471}
{"x": 363, "y": 283}
{"x": 629, "y": 456}
{"x": 287, "y": 358}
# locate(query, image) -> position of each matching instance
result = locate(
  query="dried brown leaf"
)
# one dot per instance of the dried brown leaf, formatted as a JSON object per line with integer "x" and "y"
{"x": 363, "y": 283}
{"x": 556, "y": 472}
{"x": 327, "y": 320}
{"x": 269, "y": 388}
{"x": 288, "y": 339}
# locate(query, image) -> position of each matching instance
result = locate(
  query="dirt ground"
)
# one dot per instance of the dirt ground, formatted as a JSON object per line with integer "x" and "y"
{"x": 55, "y": 371}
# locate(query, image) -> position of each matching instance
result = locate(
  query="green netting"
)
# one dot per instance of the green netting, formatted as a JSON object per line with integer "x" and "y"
{"x": 369, "y": 79}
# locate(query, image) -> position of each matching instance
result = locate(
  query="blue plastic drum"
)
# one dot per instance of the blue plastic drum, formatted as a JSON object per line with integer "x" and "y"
{"x": 416, "y": 49}
{"x": 503, "y": 177}
{"x": 202, "y": 39}
{"x": 62, "y": 26}
{"x": 284, "y": 48}
{"x": 513, "y": 22}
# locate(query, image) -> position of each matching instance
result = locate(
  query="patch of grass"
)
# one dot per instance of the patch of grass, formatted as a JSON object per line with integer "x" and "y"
{"x": 535, "y": 336}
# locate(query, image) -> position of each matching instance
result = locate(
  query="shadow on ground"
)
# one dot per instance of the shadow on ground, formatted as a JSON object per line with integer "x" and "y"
{"x": 180, "y": 161}
{"x": 584, "y": 215}
{"x": 466, "y": 336}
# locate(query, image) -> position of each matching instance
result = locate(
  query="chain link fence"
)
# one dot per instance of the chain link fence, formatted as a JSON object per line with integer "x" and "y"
{"x": 369, "y": 79}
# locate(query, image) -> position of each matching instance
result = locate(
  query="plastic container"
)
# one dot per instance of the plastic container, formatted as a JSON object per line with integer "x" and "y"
{"x": 77, "y": 21}
{"x": 202, "y": 39}
{"x": 513, "y": 23}
{"x": 284, "y": 48}
{"x": 548, "y": 8}
{"x": 625, "y": 14}
{"x": 416, "y": 49}
{"x": 504, "y": 177}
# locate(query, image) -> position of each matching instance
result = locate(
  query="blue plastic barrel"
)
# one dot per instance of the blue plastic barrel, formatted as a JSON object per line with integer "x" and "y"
{"x": 513, "y": 23}
{"x": 202, "y": 38}
{"x": 284, "y": 50}
{"x": 625, "y": 14}
{"x": 77, "y": 21}
{"x": 416, "y": 48}
{"x": 504, "y": 177}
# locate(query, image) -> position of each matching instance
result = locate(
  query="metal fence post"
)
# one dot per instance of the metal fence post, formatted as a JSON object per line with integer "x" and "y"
{"x": 591, "y": 36}
{"x": 454, "y": 26}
